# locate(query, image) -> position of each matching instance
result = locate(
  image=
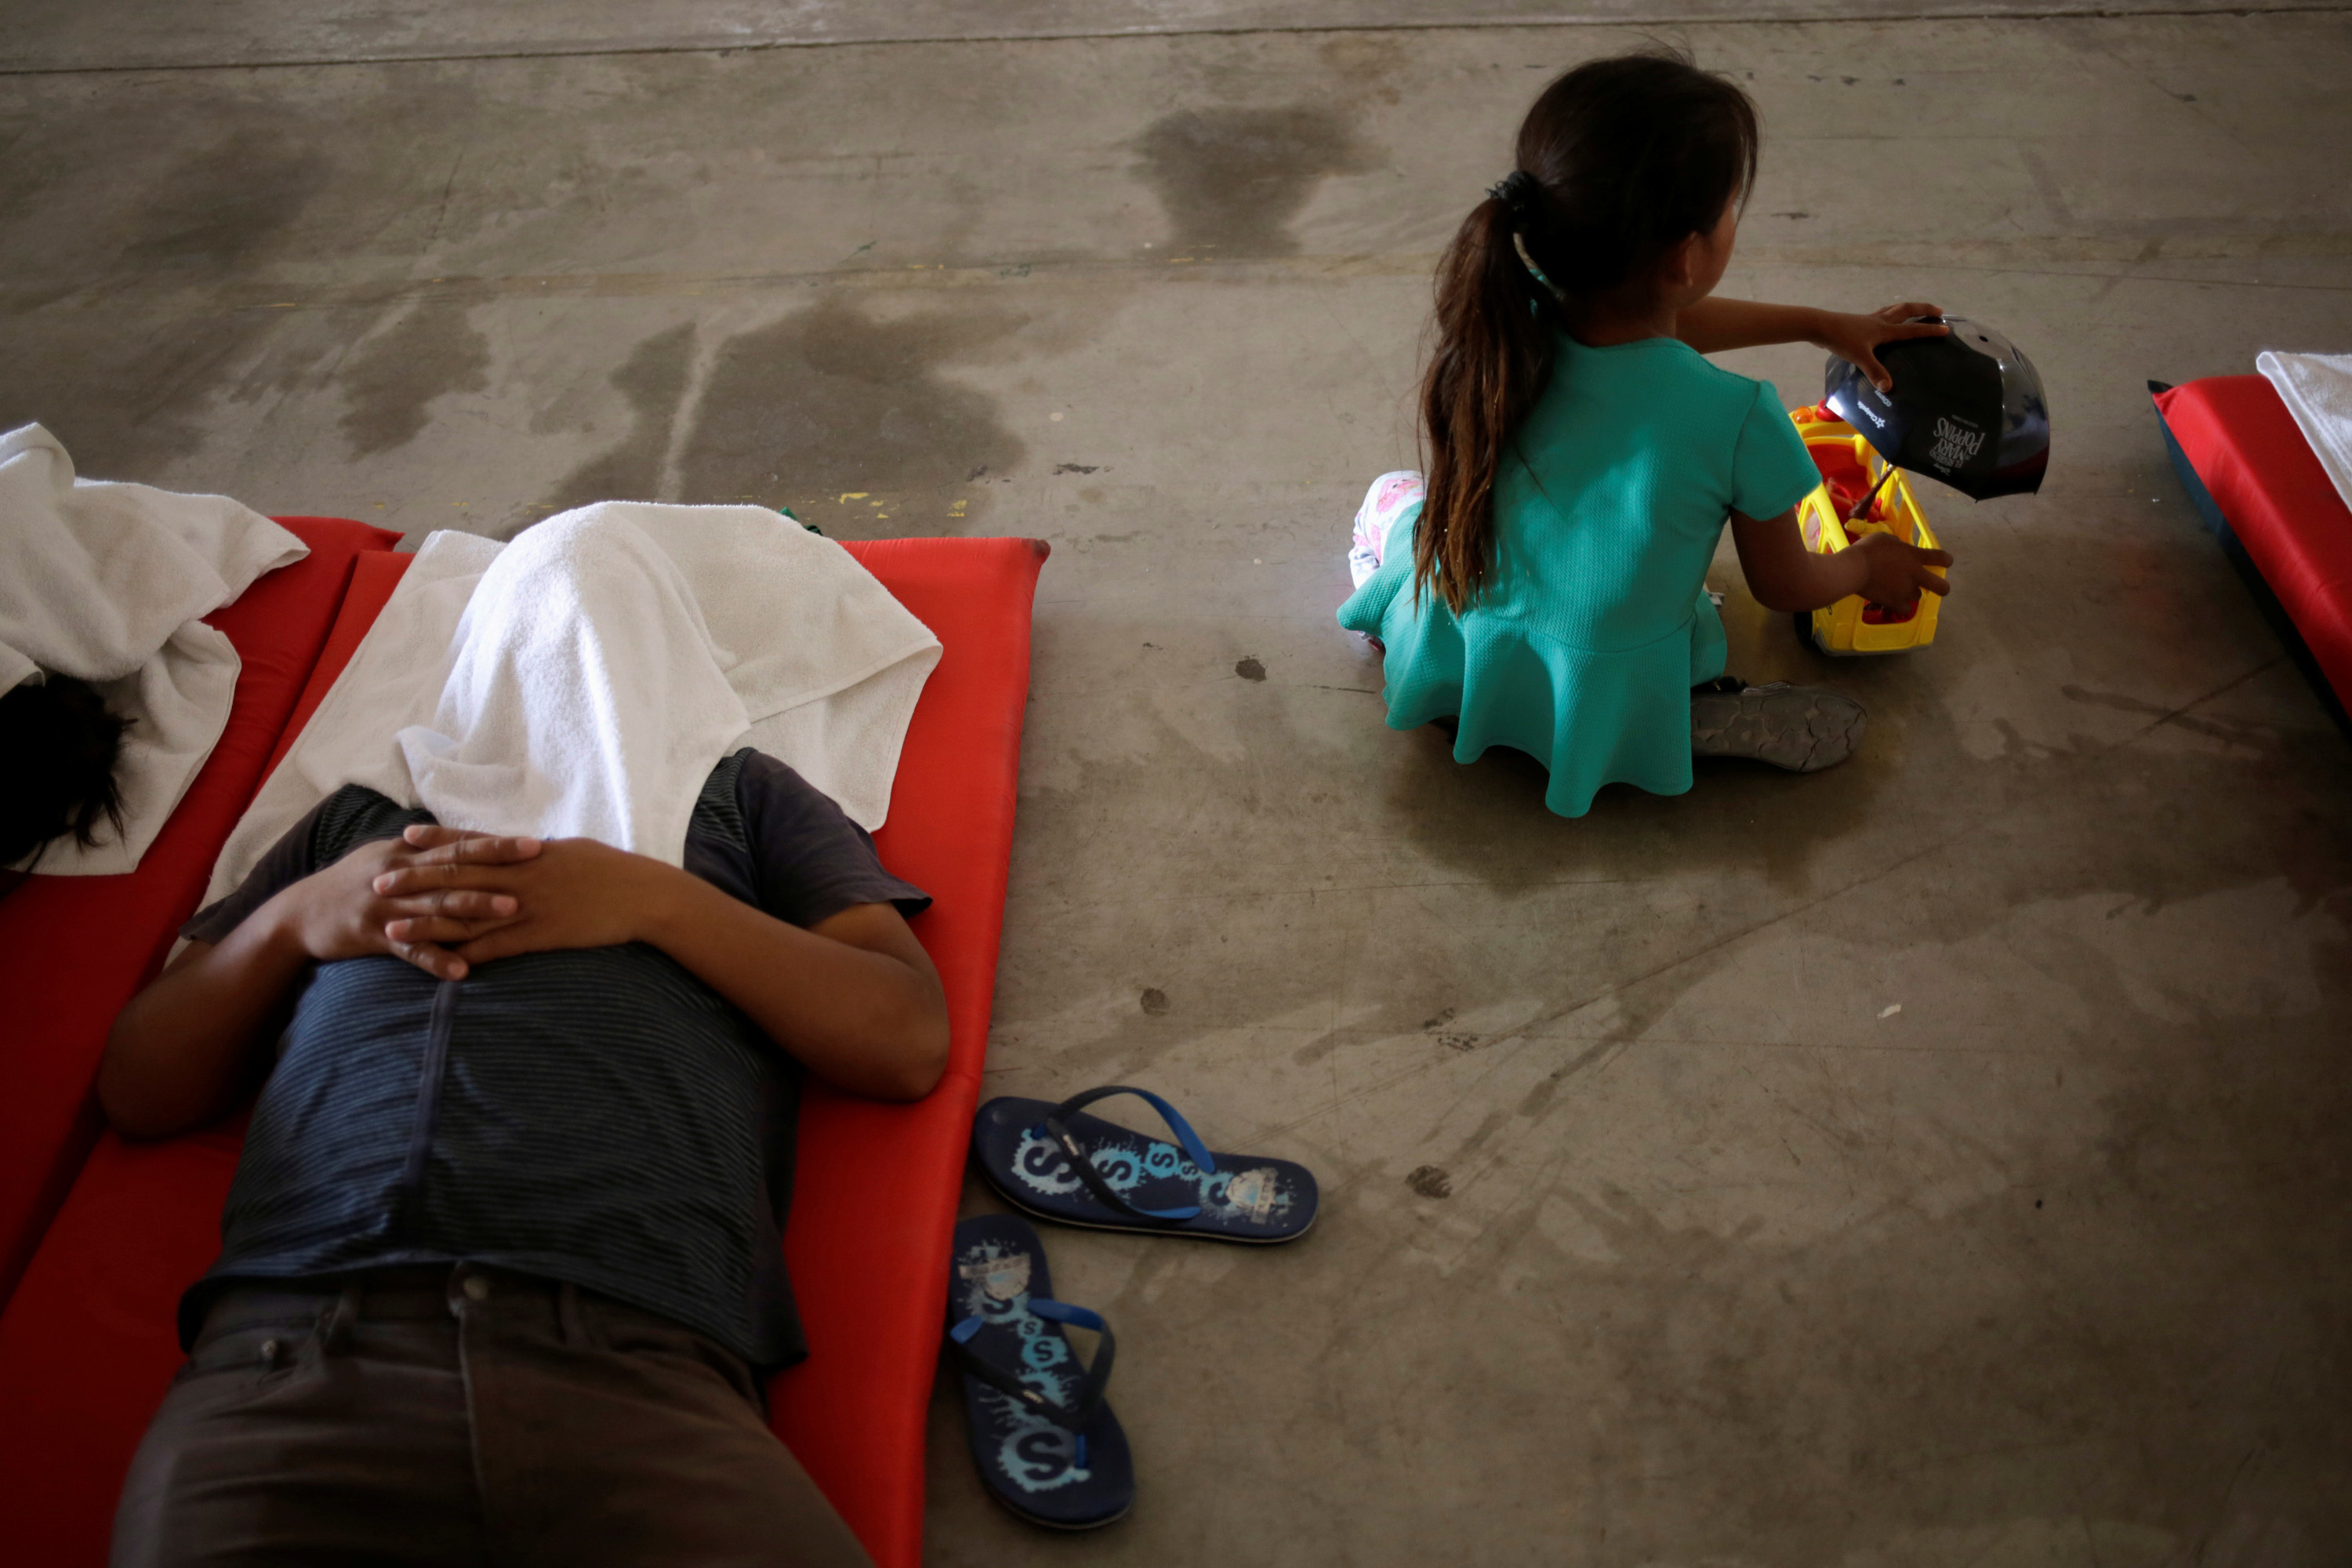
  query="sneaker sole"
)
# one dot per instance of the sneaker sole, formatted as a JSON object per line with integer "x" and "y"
{"x": 1803, "y": 729}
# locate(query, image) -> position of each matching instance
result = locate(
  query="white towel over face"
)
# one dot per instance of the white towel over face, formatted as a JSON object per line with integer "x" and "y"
{"x": 585, "y": 699}
{"x": 105, "y": 582}
{"x": 2317, "y": 390}
{"x": 572, "y": 682}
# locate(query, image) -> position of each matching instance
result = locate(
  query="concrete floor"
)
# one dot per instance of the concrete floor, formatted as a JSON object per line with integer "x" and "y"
{"x": 1653, "y": 1234}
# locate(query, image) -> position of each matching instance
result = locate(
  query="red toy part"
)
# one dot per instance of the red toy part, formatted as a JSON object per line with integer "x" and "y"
{"x": 79, "y": 947}
{"x": 1848, "y": 480}
{"x": 2263, "y": 475}
{"x": 143, "y": 1222}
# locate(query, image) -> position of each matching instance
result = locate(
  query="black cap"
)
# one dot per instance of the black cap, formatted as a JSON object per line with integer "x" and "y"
{"x": 1966, "y": 409}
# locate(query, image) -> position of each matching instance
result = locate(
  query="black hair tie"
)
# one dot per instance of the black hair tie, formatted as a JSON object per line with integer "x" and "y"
{"x": 1515, "y": 190}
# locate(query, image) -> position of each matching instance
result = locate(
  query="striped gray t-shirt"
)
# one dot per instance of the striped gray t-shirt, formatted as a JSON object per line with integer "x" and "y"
{"x": 596, "y": 1115}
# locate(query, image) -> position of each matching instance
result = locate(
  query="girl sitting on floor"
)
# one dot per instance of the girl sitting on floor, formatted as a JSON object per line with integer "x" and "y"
{"x": 1544, "y": 586}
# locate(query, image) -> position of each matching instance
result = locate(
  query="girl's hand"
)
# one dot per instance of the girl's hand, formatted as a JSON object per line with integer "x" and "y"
{"x": 1857, "y": 339}
{"x": 1895, "y": 572}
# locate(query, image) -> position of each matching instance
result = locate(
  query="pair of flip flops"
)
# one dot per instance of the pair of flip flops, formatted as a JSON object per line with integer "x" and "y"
{"x": 1047, "y": 1445}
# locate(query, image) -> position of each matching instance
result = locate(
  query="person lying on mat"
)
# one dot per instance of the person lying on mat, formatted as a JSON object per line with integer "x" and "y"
{"x": 62, "y": 743}
{"x": 501, "y": 1271}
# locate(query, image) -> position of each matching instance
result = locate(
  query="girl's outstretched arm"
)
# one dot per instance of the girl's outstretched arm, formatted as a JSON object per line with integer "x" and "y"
{"x": 1715, "y": 325}
{"x": 1785, "y": 575}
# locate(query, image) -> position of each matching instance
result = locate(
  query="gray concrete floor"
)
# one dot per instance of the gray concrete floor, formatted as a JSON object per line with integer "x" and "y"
{"x": 1653, "y": 1234}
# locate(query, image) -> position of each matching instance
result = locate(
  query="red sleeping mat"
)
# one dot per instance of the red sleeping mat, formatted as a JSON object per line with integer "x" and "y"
{"x": 2260, "y": 476}
{"x": 78, "y": 947}
{"x": 87, "y": 1346}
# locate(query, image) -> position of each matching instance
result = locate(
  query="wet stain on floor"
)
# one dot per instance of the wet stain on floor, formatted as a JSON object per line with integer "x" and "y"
{"x": 124, "y": 386}
{"x": 1233, "y": 180}
{"x": 222, "y": 210}
{"x": 390, "y": 382}
{"x": 835, "y": 399}
{"x": 652, "y": 381}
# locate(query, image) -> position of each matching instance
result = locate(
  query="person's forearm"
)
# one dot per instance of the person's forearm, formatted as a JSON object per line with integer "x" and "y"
{"x": 181, "y": 1046}
{"x": 1717, "y": 325}
{"x": 861, "y": 1020}
{"x": 1815, "y": 583}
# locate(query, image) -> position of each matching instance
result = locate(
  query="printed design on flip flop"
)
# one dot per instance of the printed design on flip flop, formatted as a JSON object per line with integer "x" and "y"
{"x": 1035, "y": 1454}
{"x": 1054, "y": 1161}
{"x": 1041, "y": 1164}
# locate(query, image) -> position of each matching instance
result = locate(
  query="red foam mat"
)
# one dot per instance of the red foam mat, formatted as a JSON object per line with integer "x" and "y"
{"x": 2261, "y": 473}
{"x": 141, "y": 1222}
{"x": 76, "y": 948}
{"x": 873, "y": 1295}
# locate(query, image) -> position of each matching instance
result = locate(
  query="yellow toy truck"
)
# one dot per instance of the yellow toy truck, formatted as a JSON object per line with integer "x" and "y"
{"x": 1852, "y": 471}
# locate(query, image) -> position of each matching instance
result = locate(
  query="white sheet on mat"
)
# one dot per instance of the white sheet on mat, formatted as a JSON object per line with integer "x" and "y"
{"x": 581, "y": 660}
{"x": 2317, "y": 390}
{"x": 394, "y": 680}
{"x": 105, "y": 582}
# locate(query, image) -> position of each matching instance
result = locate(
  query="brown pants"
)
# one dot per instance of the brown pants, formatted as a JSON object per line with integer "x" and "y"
{"x": 435, "y": 1415}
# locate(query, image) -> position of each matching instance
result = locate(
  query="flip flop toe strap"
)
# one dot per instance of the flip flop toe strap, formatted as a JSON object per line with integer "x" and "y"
{"x": 1190, "y": 1140}
{"x": 1097, "y": 1377}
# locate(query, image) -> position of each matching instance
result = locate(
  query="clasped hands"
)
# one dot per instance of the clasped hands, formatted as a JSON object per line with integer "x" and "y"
{"x": 445, "y": 899}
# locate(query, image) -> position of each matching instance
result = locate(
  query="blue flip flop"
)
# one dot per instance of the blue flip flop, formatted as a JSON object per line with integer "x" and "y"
{"x": 1047, "y": 1444}
{"x": 1057, "y": 1163}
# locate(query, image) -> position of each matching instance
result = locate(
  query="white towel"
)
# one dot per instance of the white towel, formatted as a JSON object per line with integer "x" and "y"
{"x": 393, "y": 681}
{"x": 105, "y": 582}
{"x": 585, "y": 701}
{"x": 2317, "y": 390}
{"x": 826, "y": 666}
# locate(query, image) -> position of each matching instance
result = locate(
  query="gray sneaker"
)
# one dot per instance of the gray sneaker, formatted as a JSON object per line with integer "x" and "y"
{"x": 1801, "y": 727}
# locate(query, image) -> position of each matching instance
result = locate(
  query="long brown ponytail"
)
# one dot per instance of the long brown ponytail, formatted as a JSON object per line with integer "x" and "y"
{"x": 1494, "y": 327}
{"x": 1617, "y": 162}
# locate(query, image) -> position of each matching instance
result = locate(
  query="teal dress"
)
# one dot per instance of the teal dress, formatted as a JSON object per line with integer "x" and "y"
{"x": 1594, "y": 624}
